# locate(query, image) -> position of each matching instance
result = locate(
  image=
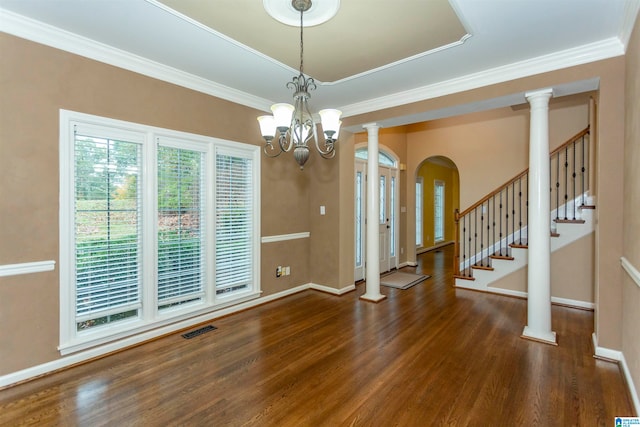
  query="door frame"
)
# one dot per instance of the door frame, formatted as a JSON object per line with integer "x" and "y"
{"x": 360, "y": 233}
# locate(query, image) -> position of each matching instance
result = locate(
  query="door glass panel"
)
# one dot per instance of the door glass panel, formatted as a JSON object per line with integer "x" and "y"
{"x": 358, "y": 218}
{"x": 392, "y": 212}
{"x": 383, "y": 200}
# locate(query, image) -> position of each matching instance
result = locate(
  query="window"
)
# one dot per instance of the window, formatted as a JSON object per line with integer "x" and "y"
{"x": 181, "y": 226}
{"x": 438, "y": 211}
{"x": 392, "y": 212}
{"x": 359, "y": 218}
{"x": 419, "y": 211}
{"x": 383, "y": 158}
{"x": 155, "y": 226}
{"x": 234, "y": 222}
{"x": 383, "y": 200}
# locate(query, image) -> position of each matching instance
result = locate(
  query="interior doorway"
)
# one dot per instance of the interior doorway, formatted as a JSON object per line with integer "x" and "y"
{"x": 437, "y": 198}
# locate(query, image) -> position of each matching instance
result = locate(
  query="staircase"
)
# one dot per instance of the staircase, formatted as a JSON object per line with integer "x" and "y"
{"x": 491, "y": 235}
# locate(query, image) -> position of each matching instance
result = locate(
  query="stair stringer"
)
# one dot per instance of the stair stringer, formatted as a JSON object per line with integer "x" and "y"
{"x": 568, "y": 233}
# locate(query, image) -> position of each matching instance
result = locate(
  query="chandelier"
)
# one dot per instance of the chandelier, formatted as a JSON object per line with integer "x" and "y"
{"x": 294, "y": 124}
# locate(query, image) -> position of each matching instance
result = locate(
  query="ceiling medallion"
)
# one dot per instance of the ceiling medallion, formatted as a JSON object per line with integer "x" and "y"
{"x": 318, "y": 12}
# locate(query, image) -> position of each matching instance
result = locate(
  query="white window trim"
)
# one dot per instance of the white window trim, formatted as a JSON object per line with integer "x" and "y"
{"x": 149, "y": 317}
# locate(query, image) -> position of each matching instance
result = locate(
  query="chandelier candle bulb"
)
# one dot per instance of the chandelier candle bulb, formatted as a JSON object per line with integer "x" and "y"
{"x": 282, "y": 114}
{"x": 267, "y": 127}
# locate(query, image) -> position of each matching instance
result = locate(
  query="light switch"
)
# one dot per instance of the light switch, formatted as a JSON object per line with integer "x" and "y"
{"x": 322, "y": 211}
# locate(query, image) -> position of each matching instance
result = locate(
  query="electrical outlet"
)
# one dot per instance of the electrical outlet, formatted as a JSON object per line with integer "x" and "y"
{"x": 278, "y": 271}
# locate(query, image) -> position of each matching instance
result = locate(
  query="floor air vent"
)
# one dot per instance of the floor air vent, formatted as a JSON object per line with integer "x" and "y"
{"x": 197, "y": 332}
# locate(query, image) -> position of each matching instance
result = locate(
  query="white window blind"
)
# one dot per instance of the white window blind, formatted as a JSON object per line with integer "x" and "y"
{"x": 181, "y": 229}
{"x": 234, "y": 222}
{"x": 107, "y": 238}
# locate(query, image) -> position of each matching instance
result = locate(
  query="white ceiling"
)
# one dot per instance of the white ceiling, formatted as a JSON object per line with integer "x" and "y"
{"x": 506, "y": 39}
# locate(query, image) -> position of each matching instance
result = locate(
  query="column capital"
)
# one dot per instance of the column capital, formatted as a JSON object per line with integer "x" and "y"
{"x": 542, "y": 93}
{"x": 369, "y": 126}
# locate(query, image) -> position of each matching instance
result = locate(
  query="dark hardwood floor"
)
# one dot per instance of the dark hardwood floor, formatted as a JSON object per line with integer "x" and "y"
{"x": 428, "y": 356}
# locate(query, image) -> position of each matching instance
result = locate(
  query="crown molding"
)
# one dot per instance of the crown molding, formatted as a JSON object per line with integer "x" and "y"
{"x": 605, "y": 49}
{"x": 36, "y": 31}
{"x": 631, "y": 9}
{"x": 39, "y": 32}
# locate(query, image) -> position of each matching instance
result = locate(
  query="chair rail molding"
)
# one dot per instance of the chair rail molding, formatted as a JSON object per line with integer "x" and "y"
{"x": 26, "y": 268}
{"x": 631, "y": 270}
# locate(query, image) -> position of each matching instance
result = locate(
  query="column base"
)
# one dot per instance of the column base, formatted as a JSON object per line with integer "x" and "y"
{"x": 543, "y": 337}
{"x": 372, "y": 298}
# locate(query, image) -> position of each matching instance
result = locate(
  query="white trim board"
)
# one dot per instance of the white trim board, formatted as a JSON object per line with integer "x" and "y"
{"x": 285, "y": 237}
{"x": 332, "y": 291}
{"x": 631, "y": 270}
{"x": 572, "y": 303}
{"x": 618, "y": 356}
{"x": 26, "y": 268}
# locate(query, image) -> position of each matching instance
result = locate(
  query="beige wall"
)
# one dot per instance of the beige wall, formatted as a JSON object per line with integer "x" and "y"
{"x": 631, "y": 216}
{"x": 37, "y": 82}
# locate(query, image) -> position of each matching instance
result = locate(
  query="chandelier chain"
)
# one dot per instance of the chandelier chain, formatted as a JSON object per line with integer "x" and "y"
{"x": 301, "y": 43}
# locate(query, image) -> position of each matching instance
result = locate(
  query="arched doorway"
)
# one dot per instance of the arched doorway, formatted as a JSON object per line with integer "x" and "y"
{"x": 388, "y": 218}
{"x": 437, "y": 198}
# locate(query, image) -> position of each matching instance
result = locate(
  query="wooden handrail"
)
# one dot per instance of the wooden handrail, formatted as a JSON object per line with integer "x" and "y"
{"x": 570, "y": 141}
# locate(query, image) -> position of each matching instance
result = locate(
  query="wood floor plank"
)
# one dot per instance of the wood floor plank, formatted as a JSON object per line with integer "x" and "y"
{"x": 428, "y": 355}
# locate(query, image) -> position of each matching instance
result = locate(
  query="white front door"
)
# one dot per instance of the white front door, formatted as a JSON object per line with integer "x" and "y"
{"x": 387, "y": 220}
{"x": 360, "y": 215}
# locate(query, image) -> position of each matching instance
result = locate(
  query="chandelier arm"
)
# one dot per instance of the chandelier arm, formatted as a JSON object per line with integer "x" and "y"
{"x": 329, "y": 150}
{"x": 270, "y": 151}
{"x": 285, "y": 141}
{"x": 330, "y": 155}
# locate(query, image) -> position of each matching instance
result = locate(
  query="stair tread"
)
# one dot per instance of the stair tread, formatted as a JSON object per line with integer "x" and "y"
{"x": 466, "y": 274}
{"x": 485, "y": 264}
{"x": 522, "y": 244}
{"x": 505, "y": 257}
{"x": 569, "y": 221}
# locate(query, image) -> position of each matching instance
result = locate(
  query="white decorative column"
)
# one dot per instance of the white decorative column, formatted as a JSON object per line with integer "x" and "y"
{"x": 372, "y": 278}
{"x": 539, "y": 229}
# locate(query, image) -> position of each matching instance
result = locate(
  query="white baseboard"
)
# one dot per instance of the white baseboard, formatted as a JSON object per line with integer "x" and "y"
{"x": 603, "y": 352}
{"x": 632, "y": 388}
{"x": 430, "y": 248}
{"x": 331, "y": 290}
{"x": 618, "y": 356}
{"x": 92, "y": 353}
{"x": 554, "y": 300}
